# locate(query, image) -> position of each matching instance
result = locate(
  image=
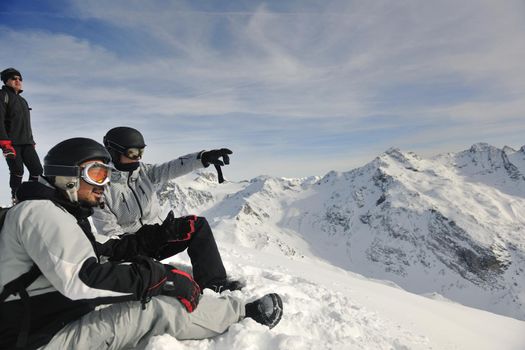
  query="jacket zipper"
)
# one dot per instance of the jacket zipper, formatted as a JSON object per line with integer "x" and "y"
{"x": 125, "y": 202}
{"x": 136, "y": 198}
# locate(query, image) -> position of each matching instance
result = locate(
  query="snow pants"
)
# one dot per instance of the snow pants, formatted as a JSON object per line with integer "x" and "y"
{"x": 127, "y": 326}
{"x": 202, "y": 249}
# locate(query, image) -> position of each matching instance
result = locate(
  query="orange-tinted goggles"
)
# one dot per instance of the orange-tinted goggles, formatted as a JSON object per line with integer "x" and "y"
{"x": 96, "y": 173}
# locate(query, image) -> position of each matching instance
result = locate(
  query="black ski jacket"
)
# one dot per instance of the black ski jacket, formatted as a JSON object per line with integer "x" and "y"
{"x": 15, "y": 119}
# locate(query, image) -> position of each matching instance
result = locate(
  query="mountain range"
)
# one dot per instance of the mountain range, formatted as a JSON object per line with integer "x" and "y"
{"x": 452, "y": 225}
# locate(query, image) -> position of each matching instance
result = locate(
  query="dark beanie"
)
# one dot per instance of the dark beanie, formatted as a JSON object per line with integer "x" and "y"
{"x": 8, "y": 73}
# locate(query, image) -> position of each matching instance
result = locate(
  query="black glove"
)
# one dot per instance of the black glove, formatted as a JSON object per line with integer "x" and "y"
{"x": 181, "y": 285}
{"x": 212, "y": 157}
{"x": 178, "y": 229}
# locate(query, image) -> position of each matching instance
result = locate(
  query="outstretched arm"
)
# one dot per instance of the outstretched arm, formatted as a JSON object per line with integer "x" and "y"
{"x": 149, "y": 239}
{"x": 145, "y": 242}
{"x": 161, "y": 173}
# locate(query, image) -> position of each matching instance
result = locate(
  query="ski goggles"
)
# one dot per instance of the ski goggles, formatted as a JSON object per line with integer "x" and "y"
{"x": 134, "y": 153}
{"x": 96, "y": 173}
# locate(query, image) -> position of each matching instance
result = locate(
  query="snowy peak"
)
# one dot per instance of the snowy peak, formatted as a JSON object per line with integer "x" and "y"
{"x": 407, "y": 159}
{"x": 508, "y": 150}
{"x": 483, "y": 159}
{"x": 482, "y": 147}
{"x": 483, "y": 163}
{"x": 480, "y": 158}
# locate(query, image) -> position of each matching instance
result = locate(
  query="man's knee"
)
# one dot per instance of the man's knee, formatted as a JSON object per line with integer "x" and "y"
{"x": 35, "y": 173}
{"x": 35, "y": 169}
{"x": 16, "y": 169}
{"x": 201, "y": 224}
{"x": 15, "y": 180}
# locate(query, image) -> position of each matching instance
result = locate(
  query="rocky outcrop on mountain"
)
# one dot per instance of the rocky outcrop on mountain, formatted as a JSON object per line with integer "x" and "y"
{"x": 454, "y": 247}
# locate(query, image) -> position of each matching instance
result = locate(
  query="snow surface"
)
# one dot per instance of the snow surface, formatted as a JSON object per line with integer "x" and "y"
{"x": 386, "y": 256}
{"x": 326, "y": 307}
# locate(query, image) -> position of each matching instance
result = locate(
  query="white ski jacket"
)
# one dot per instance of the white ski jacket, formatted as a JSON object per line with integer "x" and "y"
{"x": 39, "y": 231}
{"x": 131, "y": 198}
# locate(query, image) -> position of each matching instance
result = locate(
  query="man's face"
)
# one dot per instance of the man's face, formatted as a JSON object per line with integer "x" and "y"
{"x": 15, "y": 82}
{"x": 90, "y": 195}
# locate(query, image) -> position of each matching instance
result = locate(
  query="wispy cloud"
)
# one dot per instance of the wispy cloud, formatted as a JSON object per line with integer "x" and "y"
{"x": 321, "y": 80}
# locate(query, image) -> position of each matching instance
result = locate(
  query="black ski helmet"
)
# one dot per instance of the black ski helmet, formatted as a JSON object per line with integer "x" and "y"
{"x": 65, "y": 156}
{"x": 118, "y": 140}
{"x": 121, "y": 138}
{"x": 8, "y": 73}
{"x": 61, "y": 164}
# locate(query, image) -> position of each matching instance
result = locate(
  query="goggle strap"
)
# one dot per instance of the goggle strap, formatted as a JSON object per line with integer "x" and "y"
{"x": 115, "y": 146}
{"x": 61, "y": 170}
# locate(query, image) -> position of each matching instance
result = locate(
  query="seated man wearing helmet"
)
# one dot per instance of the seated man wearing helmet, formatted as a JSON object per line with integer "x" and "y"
{"x": 54, "y": 270}
{"x": 132, "y": 205}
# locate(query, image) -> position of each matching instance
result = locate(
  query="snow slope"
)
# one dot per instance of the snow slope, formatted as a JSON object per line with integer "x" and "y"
{"x": 450, "y": 228}
{"x": 329, "y": 308}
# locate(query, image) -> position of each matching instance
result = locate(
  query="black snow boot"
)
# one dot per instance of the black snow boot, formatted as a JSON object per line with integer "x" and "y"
{"x": 224, "y": 284}
{"x": 267, "y": 310}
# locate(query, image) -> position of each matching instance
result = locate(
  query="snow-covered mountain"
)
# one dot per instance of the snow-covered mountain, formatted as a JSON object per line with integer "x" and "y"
{"x": 452, "y": 225}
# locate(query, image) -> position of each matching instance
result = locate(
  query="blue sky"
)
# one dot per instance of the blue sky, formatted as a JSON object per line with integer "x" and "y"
{"x": 294, "y": 88}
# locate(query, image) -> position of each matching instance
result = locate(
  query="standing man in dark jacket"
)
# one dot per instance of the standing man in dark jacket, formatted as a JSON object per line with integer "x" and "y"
{"x": 16, "y": 136}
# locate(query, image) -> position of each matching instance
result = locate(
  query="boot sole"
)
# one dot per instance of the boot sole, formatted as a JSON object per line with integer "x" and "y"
{"x": 277, "y": 313}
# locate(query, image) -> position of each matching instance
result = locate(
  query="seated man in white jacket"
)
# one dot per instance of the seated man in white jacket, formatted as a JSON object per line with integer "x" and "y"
{"x": 131, "y": 202}
{"x": 54, "y": 270}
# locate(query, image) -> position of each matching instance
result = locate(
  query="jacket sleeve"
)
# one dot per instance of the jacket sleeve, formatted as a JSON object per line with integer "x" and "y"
{"x": 3, "y": 115}
{"x": 161, "y": 173}
{"x": 66, "y": 257}
{"x": 147, "y": 241}
{"x": 105, "y": 221}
